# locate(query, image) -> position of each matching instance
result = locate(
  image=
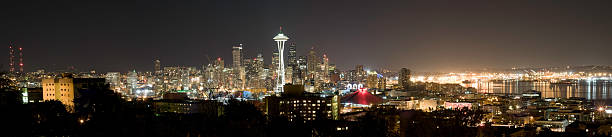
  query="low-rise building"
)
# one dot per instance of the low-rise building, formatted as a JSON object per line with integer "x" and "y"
{"x": 65, "y": 89}
{"x": 296, "y": 104}
{"x": 553, "y": 125}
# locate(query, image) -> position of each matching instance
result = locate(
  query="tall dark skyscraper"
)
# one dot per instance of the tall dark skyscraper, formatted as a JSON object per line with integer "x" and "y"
{"x": 300, "y": 73}
{"x": 292, "y": 56}
{"x": 292, "y": 66}
{"x": 157, "y": 68}
{"x": 403, "y": 79}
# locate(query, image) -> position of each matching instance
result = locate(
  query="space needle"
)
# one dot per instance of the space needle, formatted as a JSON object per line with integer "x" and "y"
{"x": 280, "y": 42}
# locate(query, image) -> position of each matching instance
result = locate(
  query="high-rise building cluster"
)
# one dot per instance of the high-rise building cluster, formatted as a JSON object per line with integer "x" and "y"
{"x": 311, "y": 69}
{"x": 246, "y": 77}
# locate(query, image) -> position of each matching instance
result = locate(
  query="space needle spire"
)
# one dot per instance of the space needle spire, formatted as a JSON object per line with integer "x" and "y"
{"x": 280, "y": 39}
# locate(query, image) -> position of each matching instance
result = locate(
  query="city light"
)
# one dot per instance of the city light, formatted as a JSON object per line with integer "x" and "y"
{"x": 350, "y": 68}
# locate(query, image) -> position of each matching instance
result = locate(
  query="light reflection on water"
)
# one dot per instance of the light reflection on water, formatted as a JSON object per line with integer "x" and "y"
{"x": 591, "y": 90}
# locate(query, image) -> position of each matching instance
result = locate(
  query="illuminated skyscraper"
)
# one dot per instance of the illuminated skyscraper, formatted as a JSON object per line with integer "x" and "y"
{"x": 237, "y": 66}
{"x": 218, "y": 76}
{"x": 259, "y": 62}
{"x": 360, "y": 73}
{"x": 132, "y": 82}
{"x": 275, "y": 65}
{"x": 375, "y": 80}
{"x": 219, "y": 64}
{"x": 302, "y": 62}
{"x": 114, "y": 80}
{"x": 259, "y": 67}
{"x": 289, "y": 74}
{"x": 250, "y": 71}
{"x": 280, "y": 43}
{"x": 300, "y": 71}
{"x": 325, "y": 67}
{"x": 313, "y": 64}
{"x": 292, "y": 66}
{"x": 237, "y": 56}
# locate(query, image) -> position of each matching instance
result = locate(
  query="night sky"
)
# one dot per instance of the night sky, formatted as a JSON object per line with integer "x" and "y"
{"x": 424, "y": 36}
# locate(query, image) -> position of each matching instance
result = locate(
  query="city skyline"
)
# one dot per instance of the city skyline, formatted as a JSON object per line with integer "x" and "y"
{"x": 306, "y": 68}
{"x": 419, "y": 35}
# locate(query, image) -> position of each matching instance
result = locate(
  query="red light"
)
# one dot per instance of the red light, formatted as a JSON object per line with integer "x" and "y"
{"x": 219, "y": 59}
{"x": 19, "y": 48}
{"x": 362, "y": 90}
{"x": 21, "y": 64}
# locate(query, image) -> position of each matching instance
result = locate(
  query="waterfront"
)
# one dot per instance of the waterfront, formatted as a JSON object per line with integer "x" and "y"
{"x": 597, "y": 90}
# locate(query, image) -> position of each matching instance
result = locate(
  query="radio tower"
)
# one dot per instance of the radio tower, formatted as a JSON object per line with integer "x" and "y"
{"x": 20, "y": 60}
{"x": 11, "y": 58}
